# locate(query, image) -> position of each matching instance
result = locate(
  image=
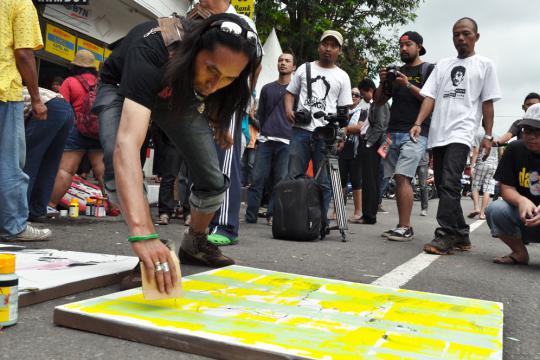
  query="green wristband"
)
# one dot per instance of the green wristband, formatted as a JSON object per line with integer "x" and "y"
{"x": 143, "y": 237}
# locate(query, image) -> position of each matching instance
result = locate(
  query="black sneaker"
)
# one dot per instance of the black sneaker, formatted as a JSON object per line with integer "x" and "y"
{"x": 401, "y": 234}
{"x": 388, "y": 232}
{"x": 441, "y": 245}
{"x": 462, "y": 243}
{"x": 197, "y": 250}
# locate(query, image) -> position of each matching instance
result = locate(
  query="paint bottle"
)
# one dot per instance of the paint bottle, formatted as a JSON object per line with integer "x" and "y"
{"x": 74, "y": 208}
{"x": 9, "y": 295}
{"x": 100, "y": 208}
{"x": 89, "y": 211}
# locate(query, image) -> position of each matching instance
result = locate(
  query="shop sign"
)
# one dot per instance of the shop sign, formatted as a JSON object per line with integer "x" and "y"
{"x": 244, "y": 7}
{"x": 59, "y": 42}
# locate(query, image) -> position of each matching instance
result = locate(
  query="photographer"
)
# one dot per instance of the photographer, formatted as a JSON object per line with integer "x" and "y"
{"x": 329, "y": 86}
{"x": 403, "y": 86}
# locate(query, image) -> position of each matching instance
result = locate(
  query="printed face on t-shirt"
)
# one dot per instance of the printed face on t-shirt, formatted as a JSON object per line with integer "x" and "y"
{"x": 457, "y": 74}
{"x": 217, "y": 69}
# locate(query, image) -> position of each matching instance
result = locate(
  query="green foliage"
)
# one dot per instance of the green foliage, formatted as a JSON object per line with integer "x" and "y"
{"x": 300, "y": 23}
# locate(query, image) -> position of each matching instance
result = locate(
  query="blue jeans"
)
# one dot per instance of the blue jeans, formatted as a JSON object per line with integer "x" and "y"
{"x": 44, "y": 148}
{"x": 302, "y": 149}
{"x": 404, "y": 155}
{"x": 270, "y": 156}
{"x": 13, "y": 181}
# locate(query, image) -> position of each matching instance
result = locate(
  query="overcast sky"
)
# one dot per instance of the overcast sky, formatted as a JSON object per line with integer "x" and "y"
{"x": 509, "y": 35}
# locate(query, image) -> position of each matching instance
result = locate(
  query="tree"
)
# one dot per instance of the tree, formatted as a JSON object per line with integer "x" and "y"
{"x": 300, "y": 23}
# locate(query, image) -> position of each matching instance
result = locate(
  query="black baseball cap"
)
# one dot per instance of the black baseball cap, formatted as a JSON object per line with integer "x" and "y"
{"x": 416, "y": 37}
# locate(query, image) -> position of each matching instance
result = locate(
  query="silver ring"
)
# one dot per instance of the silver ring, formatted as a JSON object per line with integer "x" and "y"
{"x": 165, "y": 267}
{"x": 158, "y": 267}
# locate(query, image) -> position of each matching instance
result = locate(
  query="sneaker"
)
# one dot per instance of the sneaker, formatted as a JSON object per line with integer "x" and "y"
{"x": 423, "y": 212}
{"x": 381, "y": 210}
{"x": 196, "y": 250}
{"x": 269, "y": 221}
{"x": 442, "y": 245}
{"x": 32, "y": 234}
{"x": 163, "y": 219}
{"x": 388, "y": 232}
{"x": 462, "y": 243}
{"x": 401, "y": 234}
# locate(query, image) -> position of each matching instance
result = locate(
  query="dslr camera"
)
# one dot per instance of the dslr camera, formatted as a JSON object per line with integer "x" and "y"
{"x": 391, "y": 76}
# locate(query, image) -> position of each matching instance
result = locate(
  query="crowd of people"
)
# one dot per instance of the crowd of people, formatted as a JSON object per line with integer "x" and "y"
{"x": 193, "y": 95}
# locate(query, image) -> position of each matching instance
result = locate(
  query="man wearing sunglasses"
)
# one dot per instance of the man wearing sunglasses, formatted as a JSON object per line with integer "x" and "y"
{"x": 519, "y": 208}
{"x": 225, "y": 224}
{"x": 190, "y": 88}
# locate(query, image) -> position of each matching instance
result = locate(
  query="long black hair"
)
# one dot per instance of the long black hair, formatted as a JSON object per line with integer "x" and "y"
{"x": 180, "y": 70}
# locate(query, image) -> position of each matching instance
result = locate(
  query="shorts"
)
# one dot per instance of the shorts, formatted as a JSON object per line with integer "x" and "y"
{"x": 503, "y": 219}
{"x": 404, "y": 155}
{"x": 483, "y": 178}
{"x": 78, "y": 142}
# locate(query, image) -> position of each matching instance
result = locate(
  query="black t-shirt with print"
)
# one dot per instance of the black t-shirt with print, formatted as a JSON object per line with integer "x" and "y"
{"x": 137, "y": 65}
{"x": 520, "y": 168}
{"x": 405, "y": 106}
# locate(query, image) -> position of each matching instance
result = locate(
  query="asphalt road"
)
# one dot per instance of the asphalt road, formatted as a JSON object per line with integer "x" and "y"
{"x": 364, "y": 258}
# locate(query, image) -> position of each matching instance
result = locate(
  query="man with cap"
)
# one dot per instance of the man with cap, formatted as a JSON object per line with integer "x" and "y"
{"x": 330, "y": 88}
{"x": 458, "y": 110}
{"x": 519, "y": 208}
{"x": 403, "y": 86}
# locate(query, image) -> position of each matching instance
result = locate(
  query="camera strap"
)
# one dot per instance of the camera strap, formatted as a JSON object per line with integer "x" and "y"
{"x": 308, "y": 77}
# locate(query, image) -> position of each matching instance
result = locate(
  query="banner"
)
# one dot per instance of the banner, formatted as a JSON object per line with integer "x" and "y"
{"x": 93, "y": 48}
{"x": 59, "y": 42}
{"x": 244, "y": 7}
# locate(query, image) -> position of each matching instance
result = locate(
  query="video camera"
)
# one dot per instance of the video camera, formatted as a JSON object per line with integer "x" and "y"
{"x": 333, "y": 130}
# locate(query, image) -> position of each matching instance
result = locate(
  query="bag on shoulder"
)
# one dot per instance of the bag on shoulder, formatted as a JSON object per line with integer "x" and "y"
{"x": 87, "y": 123}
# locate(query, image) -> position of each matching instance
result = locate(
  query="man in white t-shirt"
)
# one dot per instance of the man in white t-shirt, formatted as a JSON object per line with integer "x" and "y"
{"x": 331, "y": 87}
{"x": 460, "y": 92}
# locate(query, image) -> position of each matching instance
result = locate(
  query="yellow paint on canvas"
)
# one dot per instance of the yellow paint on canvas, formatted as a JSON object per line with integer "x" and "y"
{"x": 316, "y": 318}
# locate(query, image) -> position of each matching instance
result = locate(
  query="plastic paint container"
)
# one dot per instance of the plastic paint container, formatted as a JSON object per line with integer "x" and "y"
{"x": 9, "y": 294}
{"x": 74, "y": 208}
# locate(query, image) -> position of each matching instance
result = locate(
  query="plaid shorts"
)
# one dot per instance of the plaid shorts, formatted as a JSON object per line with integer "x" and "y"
{"x": 483, "y": 178}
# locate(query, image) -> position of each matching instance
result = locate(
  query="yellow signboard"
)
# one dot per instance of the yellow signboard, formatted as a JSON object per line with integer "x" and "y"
{"x": 106, "y": 54}
{"x": 244, "y": 7}
{"x": 93, "y": 48}
{"x": 59, "y": 42}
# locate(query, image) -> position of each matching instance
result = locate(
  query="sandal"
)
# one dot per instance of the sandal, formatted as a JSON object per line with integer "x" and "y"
{"x": 221, "y": 240}
{"x": 509, "y": 260}
{"x": 473, "y": 214}
{"x": 163, "y": 219}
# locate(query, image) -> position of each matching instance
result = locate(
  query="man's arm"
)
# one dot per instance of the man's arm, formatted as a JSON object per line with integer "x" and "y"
{"x": 26, "y": 64}
{"x": 127, "y": 167}
{"x": 527, "y": 210}
{"x": 487, "y": 119}
{"x": 289, "y": 103}
{"x": 427, "y": 107}
{"x": 403, "y": 81}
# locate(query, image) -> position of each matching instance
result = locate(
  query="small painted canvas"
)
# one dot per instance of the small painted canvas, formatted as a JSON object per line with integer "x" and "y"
{"x": 46, "y": 274}
{"x": 246, "y": 313}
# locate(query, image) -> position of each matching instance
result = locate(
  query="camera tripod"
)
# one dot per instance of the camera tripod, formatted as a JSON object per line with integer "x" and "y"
{"x": 331, "y": 165}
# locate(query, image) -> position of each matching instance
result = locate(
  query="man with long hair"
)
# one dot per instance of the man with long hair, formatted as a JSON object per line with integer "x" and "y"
{"x": 190, "y": 89}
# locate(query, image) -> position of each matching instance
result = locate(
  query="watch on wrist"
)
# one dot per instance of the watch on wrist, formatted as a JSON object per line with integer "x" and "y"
{"x": 409, "y": 85}
{"x": 488, "y": 137}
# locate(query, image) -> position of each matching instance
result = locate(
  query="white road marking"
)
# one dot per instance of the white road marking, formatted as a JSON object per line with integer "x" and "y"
{"x": 406, "y": 271}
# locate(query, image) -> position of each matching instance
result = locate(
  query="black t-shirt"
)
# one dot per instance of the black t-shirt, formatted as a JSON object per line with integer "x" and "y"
{"x": 405, "y": 106}
{"x": 520, "y": 168}
{"x": 515, "y": 129}
{"x": 137, "y": 65}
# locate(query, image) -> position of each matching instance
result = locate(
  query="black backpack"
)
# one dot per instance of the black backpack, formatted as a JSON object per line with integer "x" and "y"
{"x": 297, "y": 210}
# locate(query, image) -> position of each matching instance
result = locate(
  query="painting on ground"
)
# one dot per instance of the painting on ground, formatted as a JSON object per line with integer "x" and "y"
{"x": 246, "y": 313}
